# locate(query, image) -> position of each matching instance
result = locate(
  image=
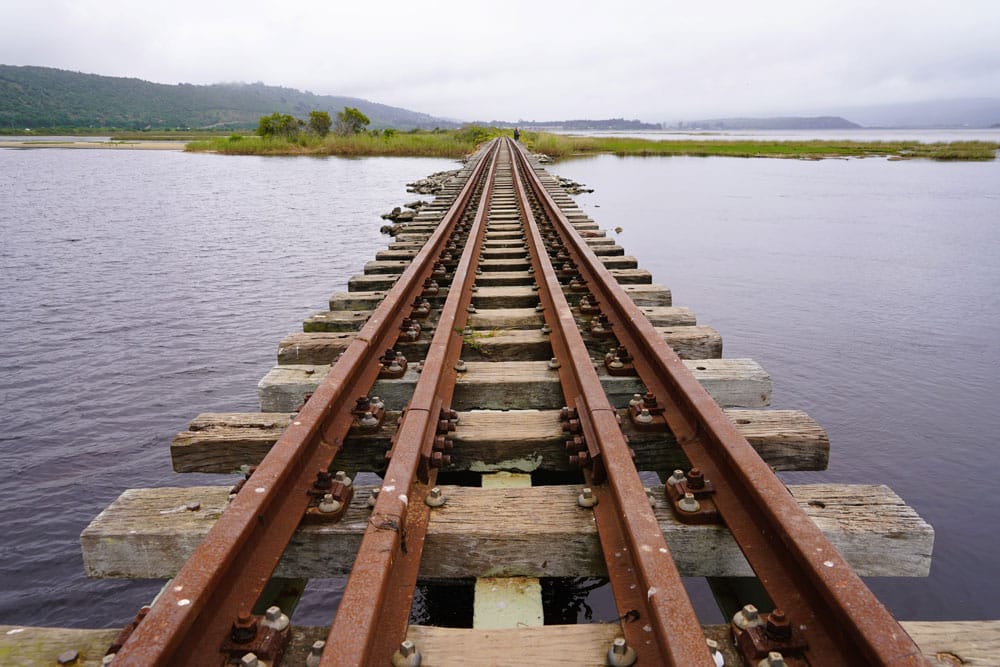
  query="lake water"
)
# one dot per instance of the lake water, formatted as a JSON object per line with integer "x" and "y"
{"x": 141, "y": 288}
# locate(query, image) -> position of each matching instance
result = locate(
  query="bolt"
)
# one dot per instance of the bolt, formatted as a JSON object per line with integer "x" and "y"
{"x": 315, "y": 653}
{"x": 778, "y": 628}
{"x": 274, "y": 619}
{"x": 328, "y": 505}
{"x": 748, "y": 617}
{"x": 546, "y": 329}
{"x": 688, "y": 503}
{"x": 108, "y": 659}
{"x": 676, "y": 478}
{"x": 696, "y": 479}
{"x": 621, "y": 654}
{"x": 249, "y": 660}
{"x": 460, "y": 366}
{"x": 467, "y": 331}
{"x": 342, "y": 477}
{"x": 643, "y": 417}
{"x": 650, "y": 496}
{"x": 373, "y": 498}
{"x": 586, "y": 498}
{"x": 636, "y": 400}
{"x": 368, "y": 420}
{"x": 773, "y": 659}
{"x": 68, "y": 657}
{"x": 539, "y": 308}
{"x": 435, "y": 498}
{"x": 617, "y": 363}
{"x": 407, "y": 655}
{"x": 471, "y": 308}
{"x": 554, "y": 363}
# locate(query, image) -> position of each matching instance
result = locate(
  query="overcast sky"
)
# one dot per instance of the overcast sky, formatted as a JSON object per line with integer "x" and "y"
{"x": 535, "y": 60}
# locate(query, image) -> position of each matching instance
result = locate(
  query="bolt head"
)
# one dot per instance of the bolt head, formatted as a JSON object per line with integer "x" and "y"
{"x": 407, "y": 648}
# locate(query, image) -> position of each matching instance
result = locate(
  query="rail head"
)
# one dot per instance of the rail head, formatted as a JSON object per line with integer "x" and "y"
{"x": 802, "y": 572}
{"x": 213, "y": 594}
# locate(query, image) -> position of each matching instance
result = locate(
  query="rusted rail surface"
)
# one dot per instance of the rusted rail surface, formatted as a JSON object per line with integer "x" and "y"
{"x": 205, "y": 616}
{"x": 839, "y": 618}
{"x": 213, "y": 595}
{"x": 643, "y": 575}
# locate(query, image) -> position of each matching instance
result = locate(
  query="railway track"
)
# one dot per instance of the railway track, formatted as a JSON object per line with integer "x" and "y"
{"x": 506, "y": 279}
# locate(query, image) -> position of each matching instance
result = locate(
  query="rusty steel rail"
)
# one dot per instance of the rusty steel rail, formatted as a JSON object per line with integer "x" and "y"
{"x": 214, "y": 593}
{"x": 372, "y": 616}
{"x": 837, "y": 616}
{"x": 647, "y": 586}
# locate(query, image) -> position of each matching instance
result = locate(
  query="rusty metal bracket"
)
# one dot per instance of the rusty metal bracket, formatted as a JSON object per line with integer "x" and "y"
{"x": 393, "y": 365}
{"x": 420, "y": 308}
{"x": 589, "y": 305}
{"x": 330, "y": 496}
{"x": 777, "y": 634}
{"x": 259, "y": 635}
{"x": 618, "y": 362}
{"x": 368, "y": 414}
{"x": 646, "y": 414}
{"x": 690, "y": 498}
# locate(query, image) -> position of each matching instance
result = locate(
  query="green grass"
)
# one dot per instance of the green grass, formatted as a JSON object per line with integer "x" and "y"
{"x": 458, "y": 143}
{"x": 560, "y": 146}
{"x": 445, "y": 144}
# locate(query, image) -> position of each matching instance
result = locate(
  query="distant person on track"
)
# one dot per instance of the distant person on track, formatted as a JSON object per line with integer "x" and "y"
{"x": 517, "y": 135}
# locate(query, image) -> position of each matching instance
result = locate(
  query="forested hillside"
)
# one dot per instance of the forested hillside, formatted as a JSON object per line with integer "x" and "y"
{"x": 33, "y": 97}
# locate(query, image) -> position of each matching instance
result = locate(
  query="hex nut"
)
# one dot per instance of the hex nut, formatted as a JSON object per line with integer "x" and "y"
{"x": 586, "y": 499}
{"x": 773, "y": 659}
{"x": 407, "y": 655}
{"x": 688, "y": 503}
{"x": 315, "y": 653}
{"x": 747, "y": 617}
{"x": 435, "y": 498}
{"x": 274, "y": 619}
{"x": 621, "y": 654}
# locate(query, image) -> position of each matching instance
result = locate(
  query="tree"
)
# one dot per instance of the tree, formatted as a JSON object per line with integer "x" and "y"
{"x": 319, "y": 122}
{"x": 279, "y": 125}
{"x": 351, "y": 121}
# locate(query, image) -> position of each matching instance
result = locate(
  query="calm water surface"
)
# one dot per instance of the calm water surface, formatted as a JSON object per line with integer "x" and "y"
{"x": 141, "y": 288}
{"x": 138, "y": 289}
{"x": 870, "y": 290}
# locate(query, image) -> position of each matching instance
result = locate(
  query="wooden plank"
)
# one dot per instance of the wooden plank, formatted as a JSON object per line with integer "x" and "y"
{"x": 521, "y": 385}
{"x": 340, "y": 321}
{"x": 531, "y": 532}
{"x": 943, "y": 643}
{"x": 375, "y": 281}
{"x": 494, "y": 440}
{"x": 500, "y": 297}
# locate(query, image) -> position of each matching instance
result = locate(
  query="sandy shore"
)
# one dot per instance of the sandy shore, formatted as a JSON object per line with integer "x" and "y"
{"x": 103, "y": 145}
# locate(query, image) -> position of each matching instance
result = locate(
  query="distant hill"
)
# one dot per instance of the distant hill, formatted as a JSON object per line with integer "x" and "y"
{"x": 45, "y": 97}
{"x": 979, "y": 112}
{"x": 609, "y": 124}
{"x": 779, "y": 123}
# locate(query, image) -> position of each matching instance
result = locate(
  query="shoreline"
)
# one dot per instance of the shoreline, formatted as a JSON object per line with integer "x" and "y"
{"x": 93, "y": 145}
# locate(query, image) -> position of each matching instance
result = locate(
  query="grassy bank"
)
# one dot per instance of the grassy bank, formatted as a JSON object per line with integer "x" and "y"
{"x": 457, "y": 143}
{"x": 446, "y": 144}
{"x": 559, "y": 146}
